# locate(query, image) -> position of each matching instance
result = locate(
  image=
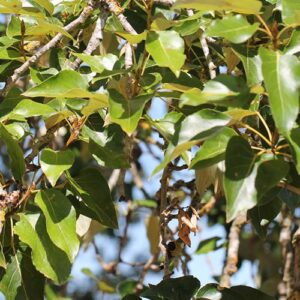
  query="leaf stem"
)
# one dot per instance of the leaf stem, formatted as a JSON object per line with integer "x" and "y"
{"x": 266, "y": 126}
{"x": 262, "y": 21}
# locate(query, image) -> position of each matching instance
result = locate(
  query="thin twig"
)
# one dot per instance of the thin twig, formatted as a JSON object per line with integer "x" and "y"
{"x": 265, "y": 125}
{"x": 233, "y": 248}
{"x": 87, "y": 11}
{"x": 289, "y": 187}
{"x": 205, "y": 48}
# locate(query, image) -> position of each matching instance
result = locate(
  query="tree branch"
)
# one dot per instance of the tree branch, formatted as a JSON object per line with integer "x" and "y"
{"x": 296, "y": 244}
{"x": 284, "y": 287}
{"x": 233, "y": 248}
{"x": 87, "y": 11}
{"x": 96, "y": 38}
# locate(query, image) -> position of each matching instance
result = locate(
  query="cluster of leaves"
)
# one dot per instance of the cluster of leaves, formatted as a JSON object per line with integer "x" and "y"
{"x": 60, "y": 126}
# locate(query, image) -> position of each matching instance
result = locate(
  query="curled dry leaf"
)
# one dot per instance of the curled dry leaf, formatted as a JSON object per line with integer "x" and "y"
{"x": 187, "y": 224}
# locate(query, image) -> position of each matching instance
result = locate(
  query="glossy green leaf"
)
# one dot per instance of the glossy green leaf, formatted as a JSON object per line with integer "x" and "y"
{"x": 282, "y": 82}
{"x": 234, "y": 28}
{"x": 182, "y": 288}
{"x": 244, "y": 7}
{"x": 98, "y": 63}
{"x": 240, "y": 175}
{"x": 46, "y": 256}
{"x": 167, "y": 49}
{"x": 211, "y": 291}
{"x": 126, "y": 112}
{"x": 293, "y": 47}
{"x": 194, "y": 128}
{"x": 213, "y": 149}
{"x": 290, "y": 12}
{"x": 54, "y": 163}
{"x": 15, "y": 153}
{"x": 166, "y": 125}
{"x": 60, "y": 218}
{"x": 251, "y": 63}
{"x": 92, "y": 187}
{"x": 208, "y": 245}
{"x": 66, "y": 84}
{"x": 132, "y": 38}
{"x": 223, "y": 90}
{"x": 28, "y": 108}
{"x": 44, "y": 4}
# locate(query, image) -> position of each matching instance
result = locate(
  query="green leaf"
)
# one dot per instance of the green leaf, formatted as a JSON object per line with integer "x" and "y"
{"x": 166, "y": 125}
{"x": 262, "y": 215}
{"x": 28, "y": 108}
{"x": 240, "y": 175}
{"x": 213, "y": 149}
{"x": 282, "y": 82}
{"x": 126, "y": 112}
{"x": 223, "y": 90}
{"x": 21, "y": 280}
{"x": 234, "y": 28}
{"x": 92, "y": 187}
{"x": 291, "y": 12}
{"x": 182, "y": 288}
{"x": 132, "y": 38}
{"x": 126, "y": 287}
{"x": 211, "y": 291}
{"x": 66, "y": 84}
{"x": 244, "y": 7}
{"x": 294, "y": 140}
{"x": 46, "y": 257}
{"x": 251, "y": 63}
{"x": 44, "y": 4}
{"x": 194, "y": 128}
{"x": 98, "y": 63}
{"x": 107, "y": 146}
{"x": 54, "y": 163}
{"x": 60, "y": 218}
{"x": 208, "y": 245}
{"x": 13, "y": 27}
{"x": 167, "y": 49}
{"x": 269, "y": 173}
{"x": 15, "y": 153}
{"x": 293, "y": 47}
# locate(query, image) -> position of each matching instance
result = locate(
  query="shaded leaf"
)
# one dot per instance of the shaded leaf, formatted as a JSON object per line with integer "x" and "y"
{"x": 208, "y": 245}
{"x": 126, "y": 112}
{"x": 92, "y": 187}
{"x": 182, "y": 288}
{"x": 240, "y": 175}
{"x": 211, "y": 291}
{"x": 15, "y": 153}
